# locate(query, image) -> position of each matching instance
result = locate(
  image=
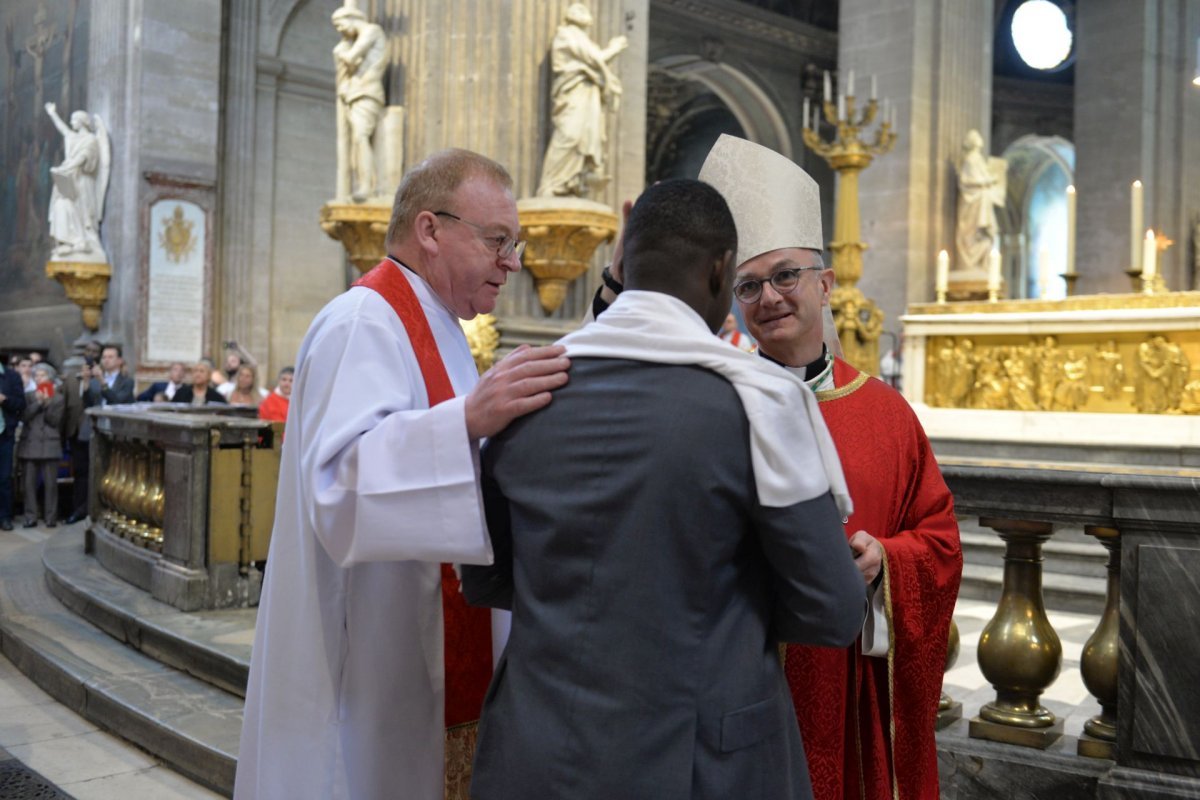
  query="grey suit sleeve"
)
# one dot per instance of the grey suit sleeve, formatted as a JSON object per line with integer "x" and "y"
{"x": 121, "y": 391}
{"x": 492, "y": 585}
{"x": 820, "y": 597}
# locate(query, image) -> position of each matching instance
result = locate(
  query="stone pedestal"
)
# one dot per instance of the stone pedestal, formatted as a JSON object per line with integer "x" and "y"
{"x": 86, "y": 283}
{"x": 562, "y": 234}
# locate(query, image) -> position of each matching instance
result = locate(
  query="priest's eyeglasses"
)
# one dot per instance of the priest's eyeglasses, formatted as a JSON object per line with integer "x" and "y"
{"x": 505, "y": 245}
{"x": 783, "y": 281}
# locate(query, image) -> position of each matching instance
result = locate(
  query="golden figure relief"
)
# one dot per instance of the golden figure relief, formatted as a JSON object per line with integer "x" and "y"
{"x": 1048, "y": 375}
{"x": 176, "y": 236}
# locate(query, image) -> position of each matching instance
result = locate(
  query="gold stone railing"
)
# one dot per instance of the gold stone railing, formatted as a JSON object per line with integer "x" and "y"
{"x": 183, "y": 501}
{"x": 1140, "y": 663}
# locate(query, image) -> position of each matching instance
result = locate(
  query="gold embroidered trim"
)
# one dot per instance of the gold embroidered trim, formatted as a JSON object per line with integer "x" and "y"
{"x": 840, "y": 392}
{"x": 460, "y": 753}
{"x": 887, "y": 610}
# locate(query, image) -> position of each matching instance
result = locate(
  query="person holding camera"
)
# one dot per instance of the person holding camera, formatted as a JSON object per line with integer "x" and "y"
{"x": 40, "y": 448}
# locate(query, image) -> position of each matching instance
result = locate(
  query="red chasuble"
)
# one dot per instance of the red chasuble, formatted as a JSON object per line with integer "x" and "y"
{"x": 468, "y": 630}
{"x": 868, "y": 723}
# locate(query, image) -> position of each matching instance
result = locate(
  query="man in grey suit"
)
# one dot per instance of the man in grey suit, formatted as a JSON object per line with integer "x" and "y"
{"x": 659, "y": 529}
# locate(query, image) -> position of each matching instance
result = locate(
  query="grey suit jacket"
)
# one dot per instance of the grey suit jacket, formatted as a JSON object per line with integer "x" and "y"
{"x": 649, "y": 591}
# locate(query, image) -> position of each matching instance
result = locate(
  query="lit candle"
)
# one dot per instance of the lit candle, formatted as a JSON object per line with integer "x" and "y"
{"x": 1070, "y": 230}
{"x": 874, "y": 87}
{"x": 841, "y": 109}
{"x": 1043, "y": 273}
{"x": 1149, "y": 256}
{"x": 828, "y": 92}
{"x": 850, "y": 84}
{"x": 804, "y": 116}
{"x": 993, "y": 276}
{"x": 942, "y": 276}
{"x": 1135, "y": 225}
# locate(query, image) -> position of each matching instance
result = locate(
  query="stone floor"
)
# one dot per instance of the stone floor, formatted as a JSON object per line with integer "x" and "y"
{"x": 68, "y": 751}
{"x": 85, "y": 762}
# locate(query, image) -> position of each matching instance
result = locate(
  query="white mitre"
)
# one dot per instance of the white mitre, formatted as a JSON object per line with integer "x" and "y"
{"x": 775, "y": 203}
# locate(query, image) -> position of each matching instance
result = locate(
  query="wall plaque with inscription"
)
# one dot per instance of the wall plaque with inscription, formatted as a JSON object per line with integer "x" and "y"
{"x": 175, "y": 299}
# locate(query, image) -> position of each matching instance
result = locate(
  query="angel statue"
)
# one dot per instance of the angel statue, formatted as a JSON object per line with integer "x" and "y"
{"x": 80, "y": 181}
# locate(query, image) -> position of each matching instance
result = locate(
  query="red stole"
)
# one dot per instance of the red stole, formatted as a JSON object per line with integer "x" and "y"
{"x": 467, "y": 630}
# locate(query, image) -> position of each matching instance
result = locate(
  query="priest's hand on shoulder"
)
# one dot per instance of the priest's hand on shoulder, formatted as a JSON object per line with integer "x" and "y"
{"x": 868, "y": 555}
{"x": 518, "y": 384}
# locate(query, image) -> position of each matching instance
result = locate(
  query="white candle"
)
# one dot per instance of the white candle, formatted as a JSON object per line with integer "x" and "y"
{"x": 1070, "y": 230}
{"x": 841, "y": 109}
{"x": 993, "y": 276}
{"x": 828, "y": 93}
{"x": 874, "y": 87}
{"x": 850, "y": 84}
{"x": 942, "y": 276}
{"x": 1044, "y": 273}
{"x": 817, "y": 112}
{"x": 1135, "y": 225}
{"x": 804, "y": 116}
{"x": 1149, "y": 256}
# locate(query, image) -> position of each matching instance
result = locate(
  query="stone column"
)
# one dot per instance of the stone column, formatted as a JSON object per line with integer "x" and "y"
{"x": 934, "y": 62}
{"x": 152, "y": 76}
{"x": 1137, "y": 117}
{"x": 477, "y": 75}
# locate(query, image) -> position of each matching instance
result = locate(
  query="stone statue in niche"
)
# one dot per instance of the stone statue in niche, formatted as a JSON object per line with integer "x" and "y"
{"x": 982, "y": 184}
{"x": 584, "y": 86}
{"x": 359, "y": 60}
{"x": 80, "y": 182}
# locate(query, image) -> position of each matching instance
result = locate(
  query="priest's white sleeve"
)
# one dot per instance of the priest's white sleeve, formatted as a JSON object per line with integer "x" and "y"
{"x": 388, "y": 478}
{"x": 875, "y": 626}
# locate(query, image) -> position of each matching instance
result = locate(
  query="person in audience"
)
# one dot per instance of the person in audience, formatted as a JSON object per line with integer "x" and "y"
{"x": 40, "y": 448}
{"x": 275, "y": 407}
{"x": 244, "y": 389}
{"x": 164, "y": 391}
{"x": 12, "y": 406}
{"x": 200, "y": 392}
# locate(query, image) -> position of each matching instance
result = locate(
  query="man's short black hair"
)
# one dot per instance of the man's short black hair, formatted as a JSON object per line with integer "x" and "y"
{"x": 674, "y": 224}
{"x": 112, "y": 346}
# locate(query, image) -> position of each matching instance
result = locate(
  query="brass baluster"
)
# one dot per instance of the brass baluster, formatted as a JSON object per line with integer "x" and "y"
{"x": 1019, "y": 652}
{"x": 1098, "y": 665}
{"x": 949, "y": 710}
{"x": 106, "y": 487}
{"x": 157, "y": 503}
{"x": 124, "y": 493}
{"x": 138, "y": 529}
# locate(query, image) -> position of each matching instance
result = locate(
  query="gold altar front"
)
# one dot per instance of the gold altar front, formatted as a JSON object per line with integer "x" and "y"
{"x": 1115, "y": 354}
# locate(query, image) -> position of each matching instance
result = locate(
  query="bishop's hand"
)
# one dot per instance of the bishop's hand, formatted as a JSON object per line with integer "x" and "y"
{"x": 519, "y": 383}
{"x": 868, "y": 555}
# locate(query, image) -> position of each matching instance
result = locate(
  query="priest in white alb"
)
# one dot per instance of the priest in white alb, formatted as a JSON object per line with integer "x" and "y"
{"x": 366, "y": 660}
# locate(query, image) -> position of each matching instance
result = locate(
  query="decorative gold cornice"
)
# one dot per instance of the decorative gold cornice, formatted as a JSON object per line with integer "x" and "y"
{"x": 561, "y": 243}
{"x": 1089, "y": 302}
{"x": 757, "y": 24}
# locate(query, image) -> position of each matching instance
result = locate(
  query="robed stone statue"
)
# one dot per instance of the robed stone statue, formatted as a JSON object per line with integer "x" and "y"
{"x": 80, "y": 182}
{"x": 584, "y": 86}
{"x": 981, "y": 187}
{"x": 360, "y": 60}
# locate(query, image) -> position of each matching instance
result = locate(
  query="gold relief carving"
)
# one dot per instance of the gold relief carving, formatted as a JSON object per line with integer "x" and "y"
{"x": 483, "y": 339}
{"x": 176, "y": 237}
{"x": 1114, "y": 375}
{"x": 361, "y": 228}
{"x": 86, "y": 283}
{"x": 561, "y": 240}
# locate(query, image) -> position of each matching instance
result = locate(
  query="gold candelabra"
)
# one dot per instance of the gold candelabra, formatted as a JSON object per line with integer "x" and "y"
{"x": 859, "y": 320}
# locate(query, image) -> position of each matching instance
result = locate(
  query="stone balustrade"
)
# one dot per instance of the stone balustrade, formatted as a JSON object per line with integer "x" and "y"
{"x": 1142, "y": 663}
{"x": 182, "y": 500}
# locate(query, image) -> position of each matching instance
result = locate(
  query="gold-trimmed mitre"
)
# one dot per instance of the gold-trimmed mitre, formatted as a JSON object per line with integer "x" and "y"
{"x": 775, "y": 203}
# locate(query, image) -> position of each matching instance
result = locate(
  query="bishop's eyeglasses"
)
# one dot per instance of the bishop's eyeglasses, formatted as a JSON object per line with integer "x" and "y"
{"x": 505, "y": 245}
{"x": 783, "y": 281}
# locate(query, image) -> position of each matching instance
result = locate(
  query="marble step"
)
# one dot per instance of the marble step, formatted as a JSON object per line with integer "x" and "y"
{"x": 213, "y": 646}
{"x": 1086, "y": 559}
{"x": 1060, "y": 591}
{"x": 190, "y": 724}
